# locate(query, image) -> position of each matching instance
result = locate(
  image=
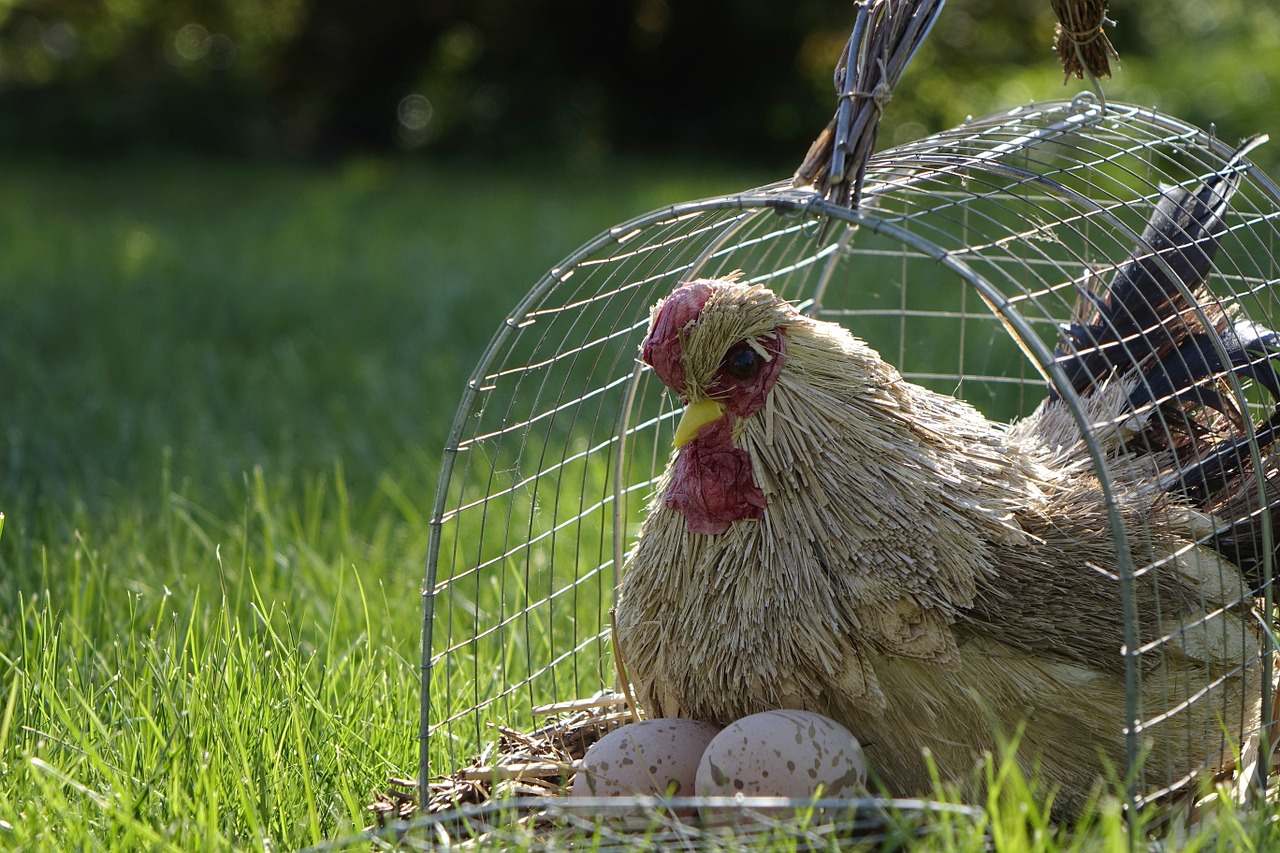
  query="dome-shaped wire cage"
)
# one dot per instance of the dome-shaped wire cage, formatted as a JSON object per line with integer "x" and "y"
{"x": 971, "y": 256}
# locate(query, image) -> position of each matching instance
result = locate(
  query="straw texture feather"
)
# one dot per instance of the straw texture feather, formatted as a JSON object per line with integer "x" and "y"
{"x": 940, "y": 583}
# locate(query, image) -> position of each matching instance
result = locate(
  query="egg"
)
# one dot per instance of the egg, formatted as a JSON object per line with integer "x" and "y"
{"x": 648, "y": 758}
{"x": 782, "y": 754}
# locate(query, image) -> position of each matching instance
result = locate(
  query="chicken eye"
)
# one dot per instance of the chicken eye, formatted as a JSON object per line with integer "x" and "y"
{"x": 742, "y": 362}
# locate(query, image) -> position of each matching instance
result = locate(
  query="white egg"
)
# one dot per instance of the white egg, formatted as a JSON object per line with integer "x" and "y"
{"x": 648, "y": 758}
{"x": 782, "y": 754}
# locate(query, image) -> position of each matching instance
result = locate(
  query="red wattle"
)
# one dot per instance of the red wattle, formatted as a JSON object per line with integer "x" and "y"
{"x": 711, "y": 485}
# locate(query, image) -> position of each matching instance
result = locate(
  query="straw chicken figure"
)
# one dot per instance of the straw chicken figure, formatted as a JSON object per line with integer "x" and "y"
{"x": 830, "y": 537}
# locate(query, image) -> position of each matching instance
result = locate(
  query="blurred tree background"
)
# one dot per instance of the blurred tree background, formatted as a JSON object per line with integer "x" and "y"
{"x": 250, "y": 250}
{"x": 583, "y": 80}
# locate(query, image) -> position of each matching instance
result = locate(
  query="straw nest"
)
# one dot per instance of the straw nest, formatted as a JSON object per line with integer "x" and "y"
{"x": 1081, "y": 40}
{"x": 540, "y": 763}
{"x": 515, "y": 792}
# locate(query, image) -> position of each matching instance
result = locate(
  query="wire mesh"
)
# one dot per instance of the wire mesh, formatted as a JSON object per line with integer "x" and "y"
{"x": 972, "y": 248}
{"x": 686, "y": 824}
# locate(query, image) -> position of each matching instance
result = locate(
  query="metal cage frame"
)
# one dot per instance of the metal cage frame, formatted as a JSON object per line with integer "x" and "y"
{"x": 1001, "y": 149}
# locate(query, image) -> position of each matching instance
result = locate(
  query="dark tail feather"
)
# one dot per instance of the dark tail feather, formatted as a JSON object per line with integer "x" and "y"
{"x": 1178, "y": 358}
{"x": 1191, "y": 371}
{"x": 1142, "y": 312}
{"x": 1183, "y": 232}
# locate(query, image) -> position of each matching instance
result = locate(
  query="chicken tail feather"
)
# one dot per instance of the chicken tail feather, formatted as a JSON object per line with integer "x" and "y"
{"x": 1180, "y": 351}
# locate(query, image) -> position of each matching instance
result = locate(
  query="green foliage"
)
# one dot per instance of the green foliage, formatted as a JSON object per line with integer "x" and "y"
{"x": 1209, "y": 63}
{"x": 574, "y": 78}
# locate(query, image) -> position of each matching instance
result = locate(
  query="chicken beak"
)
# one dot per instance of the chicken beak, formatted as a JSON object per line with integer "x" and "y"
{"x": 696, "y": 416}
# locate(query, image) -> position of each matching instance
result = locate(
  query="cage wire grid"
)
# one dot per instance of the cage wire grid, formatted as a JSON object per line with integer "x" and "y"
{"x": 971, "y": 248}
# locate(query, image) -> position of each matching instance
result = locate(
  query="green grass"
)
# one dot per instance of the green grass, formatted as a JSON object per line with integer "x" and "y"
{"x": 224, "y": 391}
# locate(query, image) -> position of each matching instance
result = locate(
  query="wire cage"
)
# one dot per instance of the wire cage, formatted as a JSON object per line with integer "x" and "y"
{"x": 972, "y": 254}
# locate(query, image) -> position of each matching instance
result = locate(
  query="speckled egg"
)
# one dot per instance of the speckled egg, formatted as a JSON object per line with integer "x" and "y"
{"x": 648, "y": 758}
{"x": 782, "y": 754}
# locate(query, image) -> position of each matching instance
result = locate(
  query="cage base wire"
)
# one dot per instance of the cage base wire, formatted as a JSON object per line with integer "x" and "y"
{"x": 683, "y": 823}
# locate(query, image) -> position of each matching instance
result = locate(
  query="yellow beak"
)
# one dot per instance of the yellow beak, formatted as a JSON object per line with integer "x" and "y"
{"x": 696, "y": 416}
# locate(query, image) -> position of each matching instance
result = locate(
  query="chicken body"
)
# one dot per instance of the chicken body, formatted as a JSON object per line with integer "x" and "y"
{"x": 830, "y": 537}
{"x": 932, "y": 581}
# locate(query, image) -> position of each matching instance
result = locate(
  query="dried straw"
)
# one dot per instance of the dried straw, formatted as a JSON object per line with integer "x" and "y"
{"x": 514, "y": 793}
{"x": 518, "y": 764}
{"x": 915, "y": 556}
{"x": 1081, "y": 41}
{"x": 886, "y": 36}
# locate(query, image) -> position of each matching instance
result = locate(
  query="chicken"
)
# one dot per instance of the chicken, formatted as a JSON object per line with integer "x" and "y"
{"x": 832, "y": 538}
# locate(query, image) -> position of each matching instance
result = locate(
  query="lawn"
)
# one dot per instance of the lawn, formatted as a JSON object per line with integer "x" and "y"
{"x": 225, "y": 391}
{"x": 226, "y": 388}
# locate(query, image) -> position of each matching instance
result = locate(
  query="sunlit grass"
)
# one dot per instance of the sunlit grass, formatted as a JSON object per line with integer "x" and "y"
{"x": 225, "y": 389}
{"x": 254, "y": 688}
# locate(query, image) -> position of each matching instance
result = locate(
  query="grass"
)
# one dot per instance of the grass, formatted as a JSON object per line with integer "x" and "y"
{"x": 225, "y": 388}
